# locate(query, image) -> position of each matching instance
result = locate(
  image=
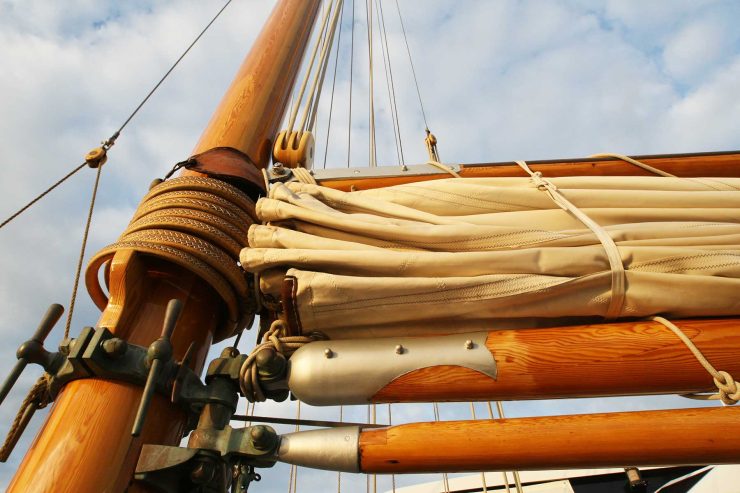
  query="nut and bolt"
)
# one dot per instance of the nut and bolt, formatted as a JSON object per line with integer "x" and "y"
{"x": 262, "y": 437}
{"x": 115, "y": 347}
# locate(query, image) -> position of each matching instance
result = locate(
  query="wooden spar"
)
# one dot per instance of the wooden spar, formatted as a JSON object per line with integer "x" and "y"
{"x": 649, "y": 438}
{"x": 85, "y": 444}
{"x": 610, "y": 359}
{"x": 717, "y": 164}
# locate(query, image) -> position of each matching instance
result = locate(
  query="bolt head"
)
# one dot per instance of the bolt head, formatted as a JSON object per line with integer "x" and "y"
{"x": 115, "y": 347}
{"x": 469, "y": 344}
{"x": 328, "y": 353}
{"x": 399, "y": 349}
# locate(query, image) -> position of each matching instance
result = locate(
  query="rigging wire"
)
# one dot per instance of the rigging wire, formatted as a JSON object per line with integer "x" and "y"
{"x": 293, "y": 477}
{"x": 112, "y": 139}
{"x": 351, "y": 67}
{"x": 390, "y": 423}
{"x": 333, "y": 86}
{"x": 339, "y": 473}
{"x": 411, "y": 62}
{"x": 390, "y": 84}
{"x": 372, "y": 157}
{"x": 73, "y": 298}
{"x": 517, "y": 479}
{"x": 42, "y": 194}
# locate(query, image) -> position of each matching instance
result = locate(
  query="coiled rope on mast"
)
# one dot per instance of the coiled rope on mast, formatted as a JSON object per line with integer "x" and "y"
{"x": 198, "y": 223}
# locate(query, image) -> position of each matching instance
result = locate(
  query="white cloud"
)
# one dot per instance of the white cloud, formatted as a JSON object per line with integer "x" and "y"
{"x": 500, "y": 80}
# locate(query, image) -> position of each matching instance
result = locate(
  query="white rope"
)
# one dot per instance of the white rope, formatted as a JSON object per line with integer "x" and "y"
{"x": 637, "y": 163}
{"x": 517, "y": 479}
{"x": 445, "y": 478}
{"x": 618, "y": 278}
{"x": 728, "y": 388}
{"x": 306, "y": 76}
{"x": 444, "y": 168}
{"x": 318, "y": 80}
{"x": 304, "y": 176}
{"x": 482, "y": 474}
{"x": 503, "y": 473}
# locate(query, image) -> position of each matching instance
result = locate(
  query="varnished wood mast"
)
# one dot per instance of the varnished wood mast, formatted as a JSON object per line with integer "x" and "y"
{"x": 85, "y": 444}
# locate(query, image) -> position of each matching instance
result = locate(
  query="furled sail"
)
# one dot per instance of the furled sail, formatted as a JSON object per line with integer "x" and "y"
{"x": 467, "y": 254}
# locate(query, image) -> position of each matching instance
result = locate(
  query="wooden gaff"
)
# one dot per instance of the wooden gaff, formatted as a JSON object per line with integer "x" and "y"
{"x": 717, "y": 164}
{"x": 85, "y": 444}
{"x": 675, "y": 437}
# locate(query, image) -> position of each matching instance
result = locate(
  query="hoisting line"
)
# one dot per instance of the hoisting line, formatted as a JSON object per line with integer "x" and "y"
{"x": 81, "y": 257}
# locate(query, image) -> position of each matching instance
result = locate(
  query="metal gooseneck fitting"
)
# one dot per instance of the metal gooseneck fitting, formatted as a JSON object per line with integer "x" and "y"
{"x": 159, "y": 353}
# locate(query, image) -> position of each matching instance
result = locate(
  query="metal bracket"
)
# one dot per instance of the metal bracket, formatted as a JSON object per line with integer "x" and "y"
{"x": 327, "y": 372}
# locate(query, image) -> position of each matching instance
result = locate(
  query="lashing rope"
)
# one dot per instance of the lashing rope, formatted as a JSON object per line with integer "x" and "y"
{"x": 38, "y": 398}
{"x": 198, "y": 223}
{"x": 276, "y": 340}
{"x": 728, "y": 388}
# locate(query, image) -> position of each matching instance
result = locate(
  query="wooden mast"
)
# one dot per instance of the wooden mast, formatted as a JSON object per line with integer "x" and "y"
{"x": 85, "y": 444}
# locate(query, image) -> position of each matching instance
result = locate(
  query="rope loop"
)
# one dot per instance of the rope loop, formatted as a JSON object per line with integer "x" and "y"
{"x": 729, "y": 393}
{"x": 728, "y": 389}
{"x": 275, "y": 339}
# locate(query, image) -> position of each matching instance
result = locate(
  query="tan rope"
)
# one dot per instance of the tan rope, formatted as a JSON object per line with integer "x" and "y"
{"x": 618, "y": 278}
{"x": 83, "y": 247}
{"x": 728, "y": 388}
{"x": 198, "y": 223}
{"x": 637, "y": 163}
{"x": 274, "y": 339}
{"x": 37, "y": 398}
{"x": 304, "y": 176}
{"x": 444, "y": 168}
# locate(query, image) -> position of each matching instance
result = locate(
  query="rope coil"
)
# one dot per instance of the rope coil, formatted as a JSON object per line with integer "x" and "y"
{"x": 37, "y": 398}
{"x": 198, "y": 223}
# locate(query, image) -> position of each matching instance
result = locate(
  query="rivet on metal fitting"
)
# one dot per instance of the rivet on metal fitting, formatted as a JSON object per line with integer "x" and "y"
{"x": 469, "y": 344}
{"x": 399, "y": 349}
{"x": 328, "y": 353}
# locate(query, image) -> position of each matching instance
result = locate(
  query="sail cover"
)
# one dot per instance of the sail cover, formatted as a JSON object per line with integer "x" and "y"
{"x": 473, "y": 254}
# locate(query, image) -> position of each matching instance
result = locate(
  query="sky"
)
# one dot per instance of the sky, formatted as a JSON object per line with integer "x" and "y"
{"x": 499, "y": 80}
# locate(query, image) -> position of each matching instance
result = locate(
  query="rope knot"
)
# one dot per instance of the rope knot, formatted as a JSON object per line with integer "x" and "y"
{"x": 541, "y": 183}
{"x": 276, "y": 340}
{"x": 729, "y": 393}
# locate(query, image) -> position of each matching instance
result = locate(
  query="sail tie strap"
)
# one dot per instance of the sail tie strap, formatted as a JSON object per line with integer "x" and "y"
{"x": 618, "y": 277}
{"x": 728, "y": 388}
{"x": 637, "y": 163}
{"x": 275, "y": 340}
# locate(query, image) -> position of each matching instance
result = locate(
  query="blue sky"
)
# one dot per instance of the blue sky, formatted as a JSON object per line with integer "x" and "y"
{"x": 500, "y": 80}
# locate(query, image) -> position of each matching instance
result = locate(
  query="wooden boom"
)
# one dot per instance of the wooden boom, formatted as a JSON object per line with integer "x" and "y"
{"x": 650, "y": 438}
{"x": 610, "y": 359}
{"x": 85, "y": 445}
